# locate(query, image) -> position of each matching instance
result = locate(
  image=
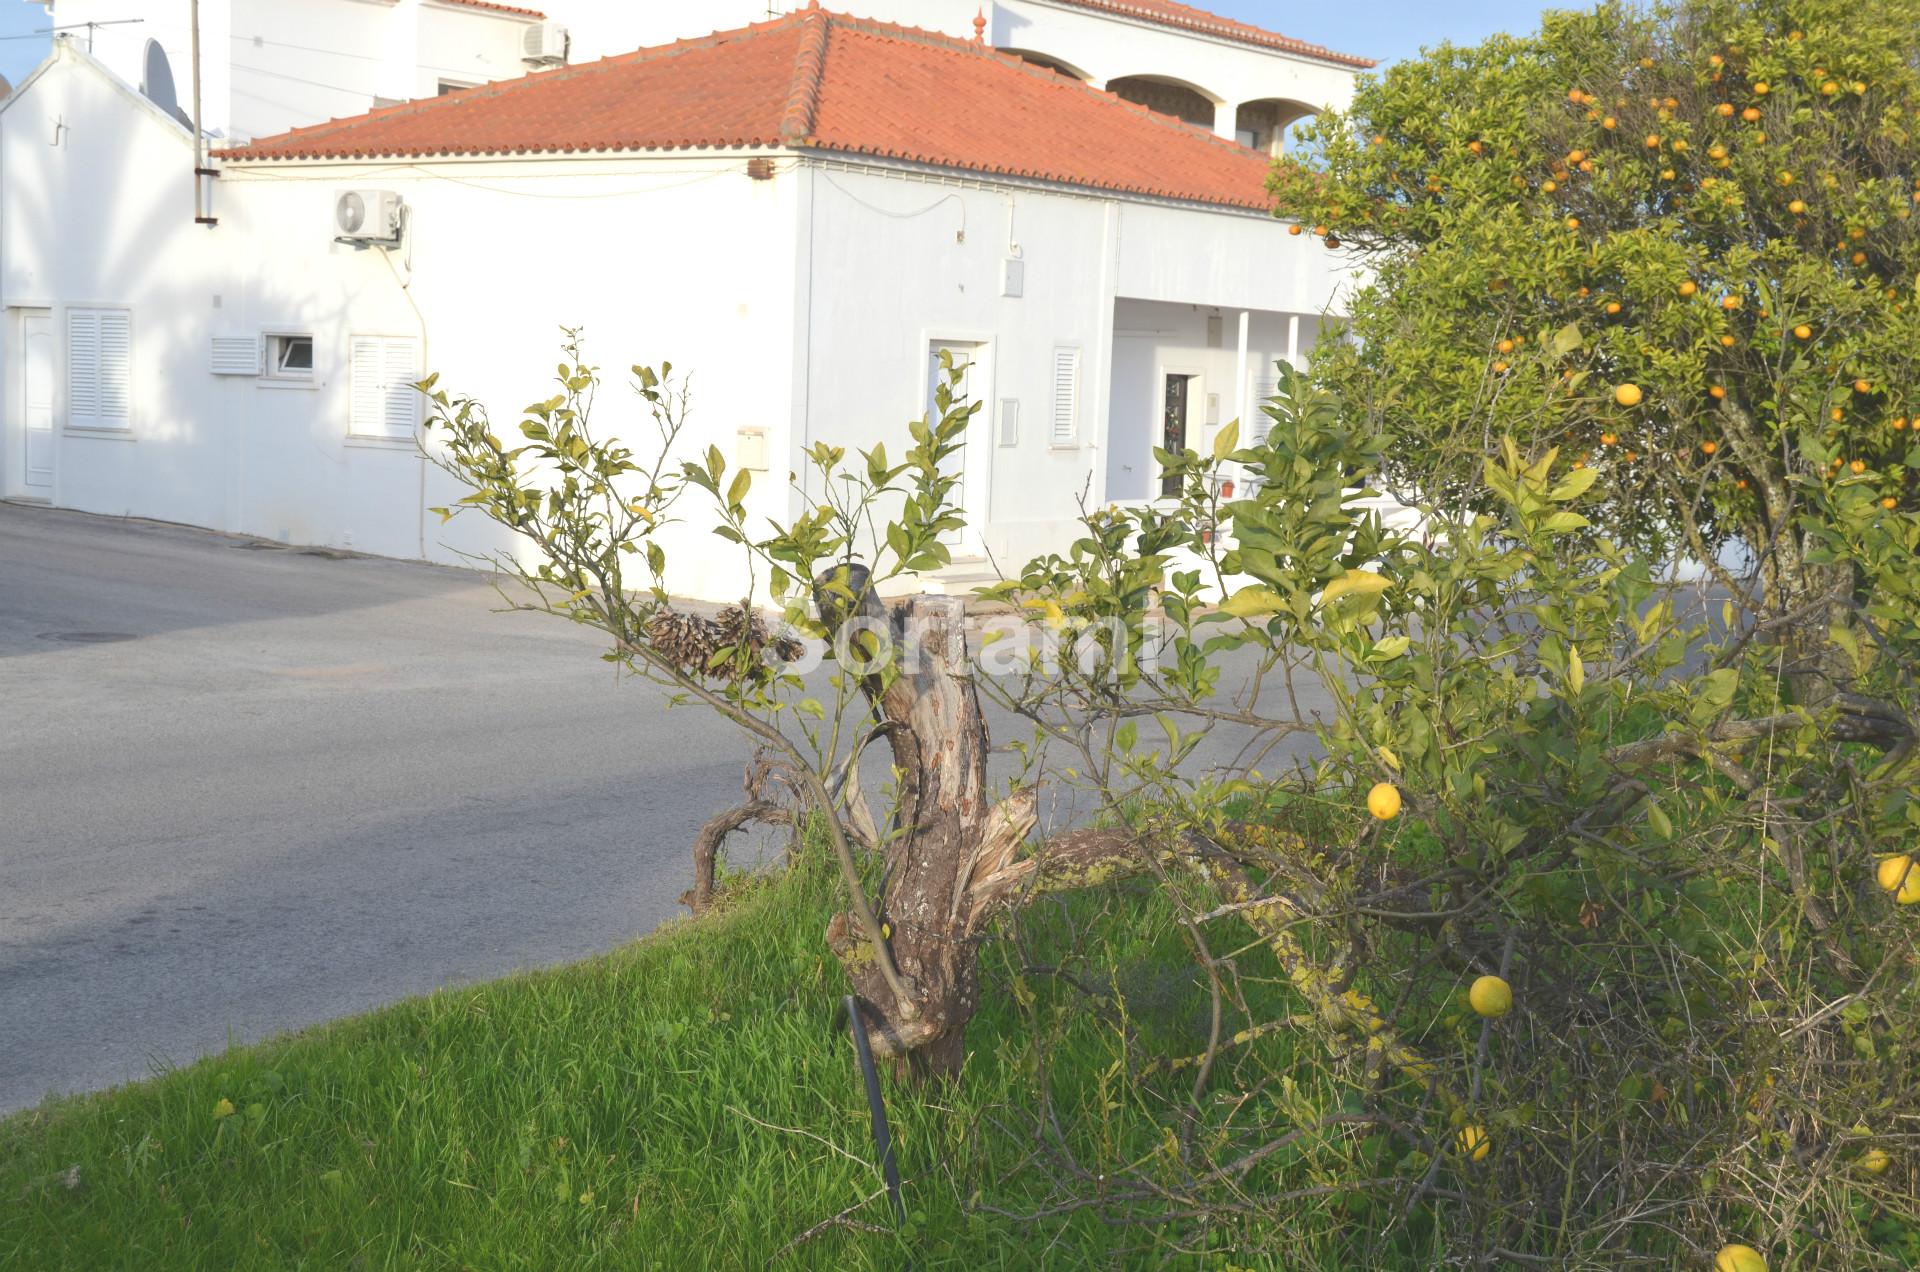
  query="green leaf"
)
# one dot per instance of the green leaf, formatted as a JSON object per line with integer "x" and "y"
{"x": 1576, "y": 670}
{"x": 1226, "y": 440}
{"x": 1252, "y": 602}
{"x": 1576, "y": 484}
{"x": 1566, "y": 340}
{"x": 1355, "y": 582}
{"x": 1658, "y": 819}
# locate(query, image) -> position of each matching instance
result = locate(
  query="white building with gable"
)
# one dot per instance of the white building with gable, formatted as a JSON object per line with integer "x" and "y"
{"x": 801, "y": 213}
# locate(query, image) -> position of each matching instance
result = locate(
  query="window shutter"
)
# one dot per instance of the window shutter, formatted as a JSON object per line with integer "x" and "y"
{"x": 99, "y": 368}
{"x": 1066, "y": 397}
{"x": 402, "y": 404}
{"x": 1264, "y": 387}
{"x": 385, "y": 403}
{"x": 83, "y": 368}
{"x": 236, "y": 355}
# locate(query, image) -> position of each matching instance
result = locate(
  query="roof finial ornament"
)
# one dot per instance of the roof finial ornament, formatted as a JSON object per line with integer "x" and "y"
{"x": 980, "y": 26}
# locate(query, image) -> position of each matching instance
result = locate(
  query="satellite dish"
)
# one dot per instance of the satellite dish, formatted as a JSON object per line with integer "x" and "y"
{"x": 156, "y": 82}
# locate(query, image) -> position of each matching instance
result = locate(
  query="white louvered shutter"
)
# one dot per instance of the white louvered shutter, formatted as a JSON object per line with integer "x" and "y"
{"x": 385, "y": 403}
{"x": 236, "y": 355}
{"x": 1064, "y": 420}
{"x": 99, "y": 368}
{"x": 1264, "y": 387}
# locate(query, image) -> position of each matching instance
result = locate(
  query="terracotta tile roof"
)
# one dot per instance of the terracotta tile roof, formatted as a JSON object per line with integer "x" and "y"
{"x": 1170, "y": 13}
{"x": 812, "y": 81}
{"x": 513, "y": 9}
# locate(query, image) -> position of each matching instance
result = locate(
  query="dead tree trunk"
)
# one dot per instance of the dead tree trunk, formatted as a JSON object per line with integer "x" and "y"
{"x": 950, "y": 829}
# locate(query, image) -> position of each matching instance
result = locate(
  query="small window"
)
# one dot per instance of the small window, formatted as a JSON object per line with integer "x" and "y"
{"x": 290, "y": 357}
{"x": 99, "y": 368}
{"x": 450, "y": 87}
{"x": 384, "y": 370}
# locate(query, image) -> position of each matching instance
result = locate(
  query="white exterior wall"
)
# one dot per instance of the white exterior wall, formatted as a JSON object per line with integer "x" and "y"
{"x": 502, "y": 256}
{"x": 888, "y": 276}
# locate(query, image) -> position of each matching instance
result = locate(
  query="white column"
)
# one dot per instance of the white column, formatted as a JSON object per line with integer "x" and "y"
{"x": 1240, "y": 383}
{"x": 1293, "y": 341}
{"x": 1226, "y": 119}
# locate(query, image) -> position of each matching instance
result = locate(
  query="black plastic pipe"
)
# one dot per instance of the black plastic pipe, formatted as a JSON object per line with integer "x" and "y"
{"x": 876, "y": 1109}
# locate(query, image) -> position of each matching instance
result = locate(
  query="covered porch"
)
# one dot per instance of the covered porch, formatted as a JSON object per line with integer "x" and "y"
{"x": 1182, "y": 372}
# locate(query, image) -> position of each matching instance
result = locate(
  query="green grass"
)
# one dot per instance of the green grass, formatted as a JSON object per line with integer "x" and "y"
{"x": 688, "y": 1101}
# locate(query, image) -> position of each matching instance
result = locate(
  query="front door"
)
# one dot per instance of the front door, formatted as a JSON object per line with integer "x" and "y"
{"x": 1174, "y": 425}
{"x": 968, "y": 463}
{"x": 36, "y": 399}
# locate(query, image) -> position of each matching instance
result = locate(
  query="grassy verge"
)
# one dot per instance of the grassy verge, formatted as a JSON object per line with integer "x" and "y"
{"x": 687, "y": 1101}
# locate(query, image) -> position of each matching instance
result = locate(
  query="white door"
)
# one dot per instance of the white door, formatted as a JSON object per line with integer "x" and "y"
{"x": 969, "y": 463}
{"x": 36, "y": 398}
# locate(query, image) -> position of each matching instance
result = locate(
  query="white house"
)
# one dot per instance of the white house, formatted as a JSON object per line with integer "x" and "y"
{"x": 800, "y": 214}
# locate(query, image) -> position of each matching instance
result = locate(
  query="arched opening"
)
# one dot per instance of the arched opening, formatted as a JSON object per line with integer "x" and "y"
{"x": 1268, "y": 124}
{"x": 1173, "y": 97}
{"x": 1051, "y": 63}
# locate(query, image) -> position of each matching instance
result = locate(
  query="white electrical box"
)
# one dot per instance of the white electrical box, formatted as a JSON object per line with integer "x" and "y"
{"x": 750, "y": 449}
{"x": 1013, "y": 277}
{"x": 1009, "y": 421}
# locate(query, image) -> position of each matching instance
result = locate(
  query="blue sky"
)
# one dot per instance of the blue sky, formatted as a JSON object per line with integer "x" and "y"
{"x": 1385, "y": 29}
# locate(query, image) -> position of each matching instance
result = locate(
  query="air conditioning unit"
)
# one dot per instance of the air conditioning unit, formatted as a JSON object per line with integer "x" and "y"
{"x": 368, "y": 216}
{"x": 544, "y": 44}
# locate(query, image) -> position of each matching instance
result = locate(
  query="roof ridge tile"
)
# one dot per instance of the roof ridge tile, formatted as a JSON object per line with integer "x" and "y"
{"x": 809, "y": 70}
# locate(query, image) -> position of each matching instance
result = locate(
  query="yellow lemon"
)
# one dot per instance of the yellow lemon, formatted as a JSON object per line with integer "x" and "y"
{"x": 1383, "y": 801}
{"x": 1491, "y": 996}
{"x": 1738, "y": 1258}
{"x": 1900, "y": 875}
{"x": 1474, "y": 1143}
{"x": 1875, "y": 1161}
{"x": 1627, "y": 395}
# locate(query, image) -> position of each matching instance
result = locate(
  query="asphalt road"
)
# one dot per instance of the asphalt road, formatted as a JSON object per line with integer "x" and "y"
{"x": 306, "y": 786}
{"x": 246, "y": 788}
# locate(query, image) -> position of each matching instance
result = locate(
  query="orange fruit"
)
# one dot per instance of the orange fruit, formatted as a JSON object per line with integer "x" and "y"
{"x": 1727, "y": 341}
{"x": 1803, "y": 332}
{"x": 1858, "y": 466}
{"x": 1716, "y": 392}
{"x": 1760, "y": 89}
{"x": 1889, "y": 502}
{"x": 1797, "y": 207}
{"x": 1729, "y": 302}
{"x": 1726, "y": 109}
{"x": 1628, "y": 395}
{"x": 1383, "y": 801}
{"x": 1613, "y": 306}
{"x": 1751, "y": 114}
{"x": 1862, "y": 386}
{"x": 1607, "y": 439}
{"x": 1689, "y": 287}
{"x": 1609, "y": 122}
{"x": 1707, "y": 448}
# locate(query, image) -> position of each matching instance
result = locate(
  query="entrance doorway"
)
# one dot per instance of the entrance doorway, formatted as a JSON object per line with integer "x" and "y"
{"x": 968, "y": 464}
{"x": 1175, "y": 415}
{"x": 33, "y": 403}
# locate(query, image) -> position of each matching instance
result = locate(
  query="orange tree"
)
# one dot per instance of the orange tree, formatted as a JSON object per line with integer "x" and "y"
{"x": 1680, "y": 244}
